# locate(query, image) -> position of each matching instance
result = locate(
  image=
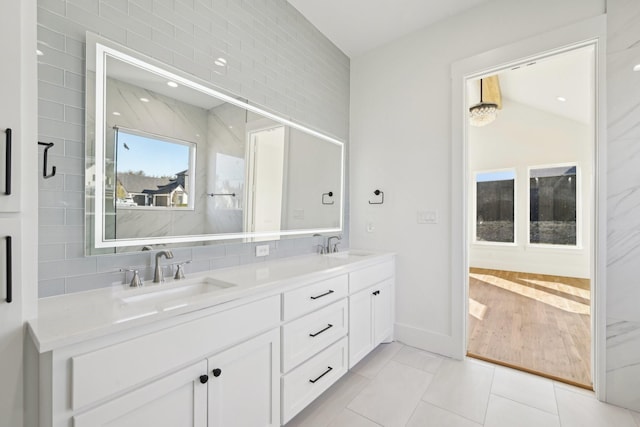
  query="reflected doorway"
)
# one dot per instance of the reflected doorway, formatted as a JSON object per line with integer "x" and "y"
{"x": 266, "y": 159}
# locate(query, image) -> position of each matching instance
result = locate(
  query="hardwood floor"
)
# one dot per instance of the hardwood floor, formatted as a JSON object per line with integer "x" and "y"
{"x": 534, "y": 322}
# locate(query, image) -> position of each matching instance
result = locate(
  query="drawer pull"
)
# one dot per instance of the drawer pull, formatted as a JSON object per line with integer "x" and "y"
{"x": 216, "y": 372}
{"x": 9, "y": 267}
{"x": 330, "y": 291}
{"x": 7, "y": 170}
{"x": 204, "y": 379}
{"x": 329, "y": 326}
{"x": 329, "y": 369}
{"x": 376, "y": 293}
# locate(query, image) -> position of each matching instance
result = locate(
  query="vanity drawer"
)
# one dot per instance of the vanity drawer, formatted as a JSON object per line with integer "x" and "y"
{"x": 311, "y": 297}
{"x": 306, "y": 336}
{"x": 302, "y": 385}
{"x": 361, "y": 279}
{"x": 105, "y": 372}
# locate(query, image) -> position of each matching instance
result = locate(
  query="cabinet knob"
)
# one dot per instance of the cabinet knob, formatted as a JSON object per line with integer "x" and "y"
{"x": 216, "y": 372}
{"x": 204, "y": 379}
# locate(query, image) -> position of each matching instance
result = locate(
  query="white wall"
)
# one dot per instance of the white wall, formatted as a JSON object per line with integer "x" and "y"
{"x": 401, "y": 143}
{"x": 522, "y": 137}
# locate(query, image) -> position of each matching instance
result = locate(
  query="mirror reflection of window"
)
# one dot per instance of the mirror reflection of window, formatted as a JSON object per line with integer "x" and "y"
{"x": 152, "y": 171}
{"x": 495, "y": 206}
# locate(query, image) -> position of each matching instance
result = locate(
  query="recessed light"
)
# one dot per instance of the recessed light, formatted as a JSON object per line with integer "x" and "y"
{"x": 39, "y": 52}
{"x": 220, "y": 62}
{"x": 561, "y": 99}
{"x": 172, "y": 84}
{"x": 144, "y": 99}
{"x": 115, "y": 113}
{"x": 636, "y": 67}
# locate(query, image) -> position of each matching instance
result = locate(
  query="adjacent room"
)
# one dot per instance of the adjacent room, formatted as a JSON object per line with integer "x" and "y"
{"x": 531, "y": 162}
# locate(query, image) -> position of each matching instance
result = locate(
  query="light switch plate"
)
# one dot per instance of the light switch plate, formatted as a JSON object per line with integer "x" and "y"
{"x": 262, "y": 250}
{"x": 427, "y": 217}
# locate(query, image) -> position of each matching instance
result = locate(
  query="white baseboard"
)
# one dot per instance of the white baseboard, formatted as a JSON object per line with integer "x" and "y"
{"x": 426, "y": 340}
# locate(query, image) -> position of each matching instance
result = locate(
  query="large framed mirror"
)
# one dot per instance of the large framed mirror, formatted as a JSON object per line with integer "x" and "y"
{"x": 172, "y": 160}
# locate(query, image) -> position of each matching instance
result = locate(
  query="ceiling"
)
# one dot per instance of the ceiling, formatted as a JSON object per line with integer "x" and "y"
{"x": 358, "y": 26}
{"x": 540, "y": 84}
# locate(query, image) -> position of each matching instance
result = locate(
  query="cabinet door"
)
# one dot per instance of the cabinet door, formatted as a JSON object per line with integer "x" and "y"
{"x": 382, "y": 312}
{"x": 14, "y": 76}
{"x": 244, "y": 384}
{"x": 360, "y": 327}
{"x": 177, "y": 400}
{"x": 11, "y": 326}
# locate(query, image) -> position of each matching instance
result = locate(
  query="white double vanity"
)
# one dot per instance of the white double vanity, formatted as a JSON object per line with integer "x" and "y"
{"x": 244, "y": 346}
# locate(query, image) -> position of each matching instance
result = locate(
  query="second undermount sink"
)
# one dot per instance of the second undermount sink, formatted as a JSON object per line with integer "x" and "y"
{"x": 191, "y": 288}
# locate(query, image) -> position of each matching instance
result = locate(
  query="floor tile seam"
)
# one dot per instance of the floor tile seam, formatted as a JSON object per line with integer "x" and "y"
{"x": 367, "y": 383}
{"x": 581, "y": 392}
{"x": 486, "y": 408}
{"x": 420, "y": 369}
{"x": 526, "y": 404}
{"x": 362, "y": 415}
{"x": 450, "y": 411}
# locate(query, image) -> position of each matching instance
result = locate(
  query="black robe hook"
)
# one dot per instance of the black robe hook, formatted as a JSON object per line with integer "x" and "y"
{"x": 46, "y": 155}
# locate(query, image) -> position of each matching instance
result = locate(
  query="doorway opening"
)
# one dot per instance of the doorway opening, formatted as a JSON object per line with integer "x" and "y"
{"x": 530, "y": 216}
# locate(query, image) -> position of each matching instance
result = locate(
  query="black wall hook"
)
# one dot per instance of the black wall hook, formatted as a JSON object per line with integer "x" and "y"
{"x": 47, "y": 145}
{"x": 378, "y": 193}
{"x": 329, "y": 195}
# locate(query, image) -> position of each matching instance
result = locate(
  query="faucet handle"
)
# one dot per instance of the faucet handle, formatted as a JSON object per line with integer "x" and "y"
{"x": 136, "y": 282}
{"x": 322, "y": 250}
{"x": 180, "y": 270}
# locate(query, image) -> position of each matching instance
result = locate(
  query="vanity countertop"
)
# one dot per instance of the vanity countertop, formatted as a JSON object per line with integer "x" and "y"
{"x": 69, "y": 319}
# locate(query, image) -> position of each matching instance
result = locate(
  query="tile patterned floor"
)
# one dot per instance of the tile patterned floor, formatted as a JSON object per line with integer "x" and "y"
{"x": 397, "y": 385}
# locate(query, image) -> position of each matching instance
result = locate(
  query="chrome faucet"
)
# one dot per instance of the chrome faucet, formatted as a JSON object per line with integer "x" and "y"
{"x": 158, "y": 276}
{"x": 334, "y": 248}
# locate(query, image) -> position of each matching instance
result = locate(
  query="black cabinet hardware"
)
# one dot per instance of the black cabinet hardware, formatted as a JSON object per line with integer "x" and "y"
{"x": 9, "y": 269}
{"x": 47, "y": 145}
{"x": 329, "y": 369}
{"x": 330, "y": 291}
{"x": 326, "y": 198}
{"x": 381, "y": 195}
{"x": 7, "y": 168}
{"x": 204, "y": 379}
{"x": 216, "y": 372}
{"x": 221, "y": 194}
{"x": 329, "y": 326}
{"x": 376, "y": 292}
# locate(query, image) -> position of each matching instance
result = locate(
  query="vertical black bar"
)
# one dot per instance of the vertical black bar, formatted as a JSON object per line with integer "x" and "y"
{"x": 9, "y": 270}
{"x": 7, "y": 171}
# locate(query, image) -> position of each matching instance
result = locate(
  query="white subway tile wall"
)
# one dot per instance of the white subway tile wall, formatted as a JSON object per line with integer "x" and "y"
{"x": 275, "y": 59}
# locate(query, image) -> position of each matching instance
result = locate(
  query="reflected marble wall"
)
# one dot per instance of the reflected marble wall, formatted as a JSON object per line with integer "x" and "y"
{"x": 623, "y": 204}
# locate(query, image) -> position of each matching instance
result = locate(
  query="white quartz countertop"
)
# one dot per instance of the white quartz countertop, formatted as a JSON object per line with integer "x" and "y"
{"x": 70, "y": 319}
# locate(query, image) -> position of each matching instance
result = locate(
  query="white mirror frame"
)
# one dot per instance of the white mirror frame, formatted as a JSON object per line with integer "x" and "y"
{"x": 104, "y": 48}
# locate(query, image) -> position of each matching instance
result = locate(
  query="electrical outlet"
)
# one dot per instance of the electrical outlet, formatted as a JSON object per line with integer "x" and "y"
{"x": 262, "y": 250}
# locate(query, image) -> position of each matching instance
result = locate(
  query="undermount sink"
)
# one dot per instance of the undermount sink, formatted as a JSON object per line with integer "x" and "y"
{"x": 350, "y": 254}
{"x": 202, "y": 286}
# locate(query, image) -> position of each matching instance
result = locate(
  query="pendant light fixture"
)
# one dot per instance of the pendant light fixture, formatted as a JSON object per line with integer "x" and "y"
{"x": 482, "y": 113}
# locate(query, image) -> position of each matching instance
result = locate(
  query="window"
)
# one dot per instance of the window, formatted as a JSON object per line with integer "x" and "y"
{"x": 495, "y": 206}
{"x": 552, "y": 205}
{"x": 153, "y": 171}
